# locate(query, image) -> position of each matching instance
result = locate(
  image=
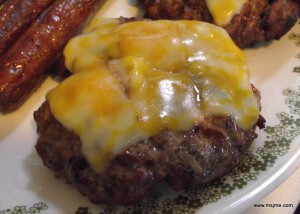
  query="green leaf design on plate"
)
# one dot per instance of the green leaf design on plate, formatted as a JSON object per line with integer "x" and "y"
{"x": 295, "y": 37}
{"x": 22, "y": 209}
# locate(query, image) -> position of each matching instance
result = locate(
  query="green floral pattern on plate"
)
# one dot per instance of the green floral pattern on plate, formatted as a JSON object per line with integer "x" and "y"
{"x": 34, "y": 209}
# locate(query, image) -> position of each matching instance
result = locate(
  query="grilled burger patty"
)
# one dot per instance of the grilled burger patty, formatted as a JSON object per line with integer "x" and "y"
{"x": 184, "y": 159}
{"x": 124, "y": 143}
{"x": 259, "y": 20}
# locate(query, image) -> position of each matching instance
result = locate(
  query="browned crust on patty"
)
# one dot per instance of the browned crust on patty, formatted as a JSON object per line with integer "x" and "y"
{"x": 183, "y": 159}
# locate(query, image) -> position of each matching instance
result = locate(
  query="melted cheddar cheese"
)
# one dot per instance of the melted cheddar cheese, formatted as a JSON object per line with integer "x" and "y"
{"x": 223, "y": 11}
{"x": 134, "y": 79}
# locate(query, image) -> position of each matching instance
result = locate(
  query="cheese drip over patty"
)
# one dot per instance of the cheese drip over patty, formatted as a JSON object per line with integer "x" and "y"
{"x": 223, "y": 11}
{"x": 134, "y": 79}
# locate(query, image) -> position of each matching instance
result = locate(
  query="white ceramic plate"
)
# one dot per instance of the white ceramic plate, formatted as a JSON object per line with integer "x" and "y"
{"x": 26, "y": 186}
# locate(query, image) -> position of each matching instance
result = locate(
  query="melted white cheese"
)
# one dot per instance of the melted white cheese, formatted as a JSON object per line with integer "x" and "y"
{"x": 223, "y": 11}
{"x": 132, "y": 80}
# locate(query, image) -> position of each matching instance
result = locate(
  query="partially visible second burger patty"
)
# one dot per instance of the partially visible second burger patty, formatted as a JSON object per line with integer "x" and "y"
{"x": 258, "y": 20}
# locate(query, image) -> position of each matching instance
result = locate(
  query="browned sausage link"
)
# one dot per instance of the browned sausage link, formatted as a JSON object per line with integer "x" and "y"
{"x": 16, "y": 16}
{"x": 24, "y": 65}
